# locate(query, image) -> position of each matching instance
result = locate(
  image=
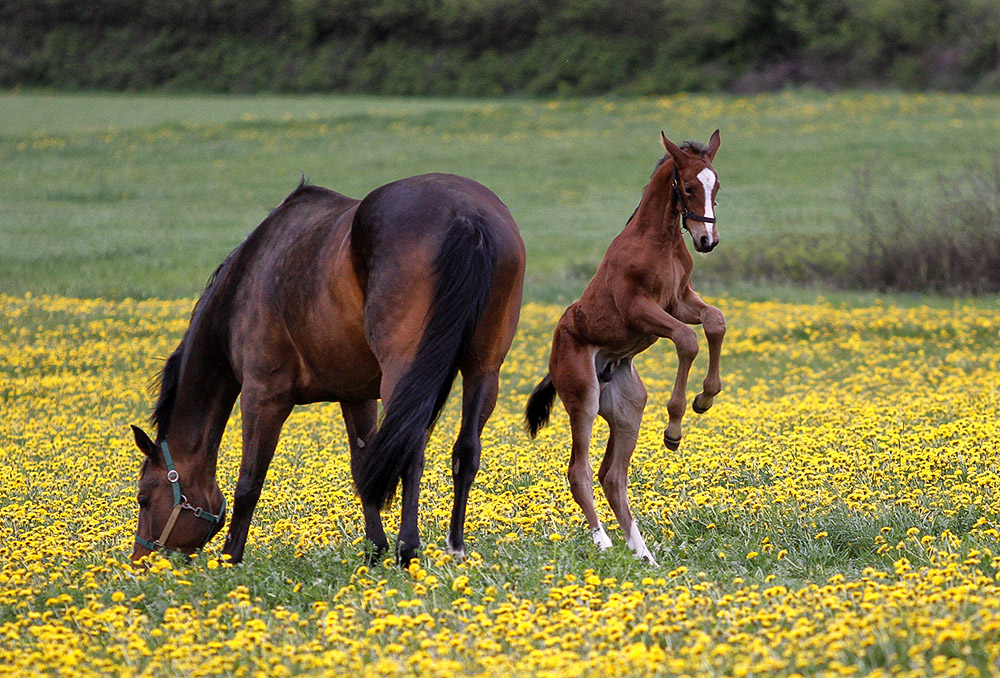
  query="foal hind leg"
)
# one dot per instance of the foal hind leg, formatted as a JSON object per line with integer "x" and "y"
{"x": 479, "y": 397}
{"x": 360, "y": 420}
{"x": 575, "y": 378}
{"x": 622, "y": 402}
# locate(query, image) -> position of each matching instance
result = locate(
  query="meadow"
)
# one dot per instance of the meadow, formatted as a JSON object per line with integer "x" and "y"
{"x": 834, "y": 514}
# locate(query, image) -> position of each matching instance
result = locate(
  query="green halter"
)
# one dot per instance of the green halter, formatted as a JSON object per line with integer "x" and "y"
{"x": 180, "y": 503}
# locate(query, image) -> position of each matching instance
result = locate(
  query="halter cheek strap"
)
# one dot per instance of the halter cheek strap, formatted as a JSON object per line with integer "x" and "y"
{"x": 180, "y": 504}
{"x": 685, "y": 212}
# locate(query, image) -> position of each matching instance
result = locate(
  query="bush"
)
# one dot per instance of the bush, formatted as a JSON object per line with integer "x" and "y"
{"x": 952, "y": 247}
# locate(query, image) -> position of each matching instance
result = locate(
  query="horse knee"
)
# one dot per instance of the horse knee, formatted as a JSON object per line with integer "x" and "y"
{"x": 714, "y": 322}
{"x": 686, "y": 342}
{"x": 247, "y": 492}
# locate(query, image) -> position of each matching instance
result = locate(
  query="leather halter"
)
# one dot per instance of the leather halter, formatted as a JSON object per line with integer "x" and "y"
{"x": 685, "y": 212}
{"x": 180, "y": 503}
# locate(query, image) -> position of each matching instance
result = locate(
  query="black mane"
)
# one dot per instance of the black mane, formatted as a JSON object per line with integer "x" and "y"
{"x": 169, "y": 378}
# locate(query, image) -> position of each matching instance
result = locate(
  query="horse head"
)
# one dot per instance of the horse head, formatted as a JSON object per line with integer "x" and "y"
{"x": 179, "y": 509}
{"x": 695, "y": 185}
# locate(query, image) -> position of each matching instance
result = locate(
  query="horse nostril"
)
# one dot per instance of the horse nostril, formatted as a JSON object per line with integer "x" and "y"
{"x": 706, "y": 242}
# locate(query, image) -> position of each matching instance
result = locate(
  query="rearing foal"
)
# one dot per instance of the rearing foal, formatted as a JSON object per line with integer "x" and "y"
{"x": 641, "y": 292}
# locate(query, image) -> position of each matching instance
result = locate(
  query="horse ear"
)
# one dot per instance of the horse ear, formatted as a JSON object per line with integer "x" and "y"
{"x": 671, "y": 148}
{"x": 713, "y": 145}
{"x": 148, "y": 447}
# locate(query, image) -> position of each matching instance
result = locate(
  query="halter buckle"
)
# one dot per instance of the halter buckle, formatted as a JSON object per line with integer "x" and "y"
{"x": 173, "y": 476}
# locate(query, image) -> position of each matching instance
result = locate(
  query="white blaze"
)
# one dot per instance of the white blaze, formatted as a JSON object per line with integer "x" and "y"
{"x": 707, "y": 179}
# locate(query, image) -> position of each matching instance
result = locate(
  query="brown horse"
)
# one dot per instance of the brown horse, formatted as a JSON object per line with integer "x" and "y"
{"x": 341, "y": 300}
{"x": 641, "y": 292}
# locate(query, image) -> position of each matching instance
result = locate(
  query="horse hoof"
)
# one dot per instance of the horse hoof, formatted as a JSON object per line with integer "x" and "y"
{"x": 671, "y": 443}
{"x": 699, "y": 405}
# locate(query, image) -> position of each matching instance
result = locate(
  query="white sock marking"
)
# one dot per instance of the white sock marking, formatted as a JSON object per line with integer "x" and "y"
{"x": 636, "y": 543}
{"x": 601, "y": 537}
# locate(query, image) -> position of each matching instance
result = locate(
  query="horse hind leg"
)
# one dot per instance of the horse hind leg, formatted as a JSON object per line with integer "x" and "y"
{"x": 573, "y": 374}
{"x": 360, "y": 419}
{"x": 408, "y": 540}
{"x": 479, "y": 397}
{"x": 621, "y": 405}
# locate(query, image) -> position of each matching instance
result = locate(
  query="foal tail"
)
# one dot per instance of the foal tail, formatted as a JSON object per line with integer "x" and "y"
{"x": 539, "y": 407}
{"x": 464, "y": 265}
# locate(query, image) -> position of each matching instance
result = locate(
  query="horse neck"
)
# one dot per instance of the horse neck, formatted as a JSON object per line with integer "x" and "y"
{"x": 656, "y": 219}
{"x": 204, "y": 399}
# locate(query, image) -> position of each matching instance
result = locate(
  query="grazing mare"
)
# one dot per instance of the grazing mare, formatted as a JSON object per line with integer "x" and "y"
{"x": 340, "y": 300}
{"x": 641, "y": 292}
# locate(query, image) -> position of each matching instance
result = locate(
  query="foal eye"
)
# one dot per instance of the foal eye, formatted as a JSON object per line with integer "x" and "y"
{"x": 689, "y": 190}
{"x": 143, "y": 502}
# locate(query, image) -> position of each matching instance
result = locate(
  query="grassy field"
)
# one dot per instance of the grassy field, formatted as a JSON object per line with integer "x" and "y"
{"x": 141, "y": 196}
{"x": 836, "y": 512}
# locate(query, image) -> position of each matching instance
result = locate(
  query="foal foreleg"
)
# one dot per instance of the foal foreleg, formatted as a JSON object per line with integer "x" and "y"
{"x": 649, "y": 317}
{"x": 715, "y": 330}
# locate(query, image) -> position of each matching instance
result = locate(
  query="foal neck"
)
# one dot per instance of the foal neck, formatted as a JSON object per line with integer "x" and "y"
{"x": 656, "y": 218}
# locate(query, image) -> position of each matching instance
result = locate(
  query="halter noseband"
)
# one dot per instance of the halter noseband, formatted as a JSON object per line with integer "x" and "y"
{"x": 180, "y": 503}
{"x": 685, "y": 212}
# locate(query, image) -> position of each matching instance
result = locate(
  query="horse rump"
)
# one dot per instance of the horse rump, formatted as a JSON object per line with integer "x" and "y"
{"x": 464, "y": 268}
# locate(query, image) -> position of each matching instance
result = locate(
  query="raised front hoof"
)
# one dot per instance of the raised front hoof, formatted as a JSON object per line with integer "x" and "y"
{"x": 702, "y": 403}
{"x": 671, "y": 443}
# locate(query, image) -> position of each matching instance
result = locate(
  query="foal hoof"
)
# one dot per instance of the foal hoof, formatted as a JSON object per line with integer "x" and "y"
{"x": 671, "y": 443}
{"x": 701, "y": 403}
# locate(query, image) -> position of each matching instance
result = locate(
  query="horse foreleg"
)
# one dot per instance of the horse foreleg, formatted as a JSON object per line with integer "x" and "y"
{"x": 479, "y": 397}
{"x": 360, "y": 419}
{"x": 652, "y": 319}
{"x": 263, "y": 417}
{"x": 621, "y": 404}
{"x": 715, "y": 330}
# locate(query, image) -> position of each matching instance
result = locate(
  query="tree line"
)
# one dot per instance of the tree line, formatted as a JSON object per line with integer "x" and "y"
{"x": 499, "y": 47}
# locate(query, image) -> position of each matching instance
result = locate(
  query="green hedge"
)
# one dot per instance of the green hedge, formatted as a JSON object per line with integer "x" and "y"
{"x": 499, "y": 47}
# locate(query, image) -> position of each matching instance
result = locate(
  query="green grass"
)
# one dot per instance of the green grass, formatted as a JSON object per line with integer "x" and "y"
{"x": 139, "y": 195}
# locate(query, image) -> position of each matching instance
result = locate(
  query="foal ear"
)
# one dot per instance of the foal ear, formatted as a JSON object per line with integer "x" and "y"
{"x": 148, "y": 447}
{"x": 671, "y": 148}
{"x": 713, "y": 145}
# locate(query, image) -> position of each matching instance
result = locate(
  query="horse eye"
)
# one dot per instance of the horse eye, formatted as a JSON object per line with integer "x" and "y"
{"x": 143, "y": 502}
{"x": 689, "y": 190}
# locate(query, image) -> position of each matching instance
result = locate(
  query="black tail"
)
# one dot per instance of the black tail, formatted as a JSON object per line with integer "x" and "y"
{"x": 536, "y": 413}
{"x": 464, "y": 267}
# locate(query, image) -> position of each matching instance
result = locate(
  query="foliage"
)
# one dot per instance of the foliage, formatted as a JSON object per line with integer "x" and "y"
{"x": 835, "y": 512}
{"x": 951, "y": 245}
{"x": 497, "y": 47}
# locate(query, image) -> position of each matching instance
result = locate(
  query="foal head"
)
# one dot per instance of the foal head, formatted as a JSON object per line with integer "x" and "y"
{"x": 176, "y": 513}
{"x": 695, "y": 185}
